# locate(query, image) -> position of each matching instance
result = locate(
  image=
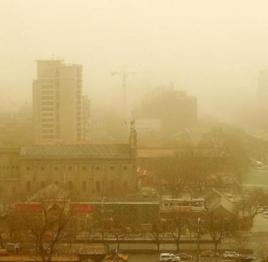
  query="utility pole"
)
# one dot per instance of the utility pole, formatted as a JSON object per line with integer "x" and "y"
{"x": 198, "y": 239}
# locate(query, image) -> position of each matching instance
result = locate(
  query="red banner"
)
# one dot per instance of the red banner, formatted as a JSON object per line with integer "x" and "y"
{"x": 81, "y": 208}
{"x": 28, "y": 207}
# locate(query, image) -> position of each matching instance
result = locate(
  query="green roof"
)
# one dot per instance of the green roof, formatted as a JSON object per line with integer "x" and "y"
{"x": 90, "y": 151}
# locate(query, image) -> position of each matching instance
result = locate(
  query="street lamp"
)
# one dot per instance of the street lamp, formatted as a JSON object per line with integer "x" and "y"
{"x": 198, "y": 238}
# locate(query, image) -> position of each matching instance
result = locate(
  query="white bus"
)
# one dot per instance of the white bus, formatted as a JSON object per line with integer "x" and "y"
{"x": 182, "y": 205}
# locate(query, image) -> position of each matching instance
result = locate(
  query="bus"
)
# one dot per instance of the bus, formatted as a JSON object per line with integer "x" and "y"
{"x": 182, "y": 205}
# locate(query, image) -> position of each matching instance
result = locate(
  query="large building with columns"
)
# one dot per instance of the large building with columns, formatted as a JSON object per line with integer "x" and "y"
{"x": 88, "y": 172}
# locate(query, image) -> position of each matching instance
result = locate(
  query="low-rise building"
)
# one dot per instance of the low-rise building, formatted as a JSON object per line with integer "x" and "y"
{"x": 88, "y": 172}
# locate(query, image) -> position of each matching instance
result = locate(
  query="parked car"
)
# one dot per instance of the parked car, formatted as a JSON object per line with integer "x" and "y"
{"x": 184, "y": 256}
{"x": 246, "y": 258}
{"x": 209, "y": 253}
{"x": 168, "y": 257}
{"x": 230, "y": 255}
{"x": 265, "y": 214}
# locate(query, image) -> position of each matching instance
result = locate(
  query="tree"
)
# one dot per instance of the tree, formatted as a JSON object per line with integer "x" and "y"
{"x": 252, "y": 202}
{"x": 180, "y": 224}
{"x": 156, "y": 233}
{"x": 229, "y": 145}
{"x": 46, "y": 223}
{"x": 218, "y": 224}
{"x": 215, "y": 226}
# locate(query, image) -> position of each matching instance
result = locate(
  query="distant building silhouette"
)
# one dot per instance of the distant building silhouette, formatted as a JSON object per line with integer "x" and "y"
{"x": 174, "y": 109}
{"x": 262, "y": 99}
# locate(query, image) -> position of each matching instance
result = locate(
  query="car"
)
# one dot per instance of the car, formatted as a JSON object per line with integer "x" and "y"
{"x": 231, "y": 255}
{"x": 184, "y": 256}
{"x": 265, "y": 214}
{"x": 168, "y": 257}
{"x": 209, "y": 253}
{"x": 246, "y": 258}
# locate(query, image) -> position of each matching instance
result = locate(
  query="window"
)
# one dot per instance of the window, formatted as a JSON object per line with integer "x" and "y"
{"x": 112, "y": 186}
{"x": 47, "y": 104}
{"x": 70, "y": 168}
{"x": 47, "y": 131}
{"x": 48, "y": 137}
{"x": 84, "y": 186}
{"x": 46, "y": 125}
{"x": 97, "y": 168}
{"x": 47, "y": 114}
{"x": 48, "y": 109}
{"x": 70, "y": 185}
{"x": 125, "y": 186}
{"x": 47, "y": 96}
{"x": 28, "y": 186}
{"x": 98, "y": 186}
{"x": 112, "y": 168}
{"x": 84, "y": 168}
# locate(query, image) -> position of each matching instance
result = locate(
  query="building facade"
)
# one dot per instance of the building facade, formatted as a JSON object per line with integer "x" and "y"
{"x": 86, "y": 111}
{"x": 57, "y": 102}
{"x": 175, "y": 110}
{"x": 86, "y": 172}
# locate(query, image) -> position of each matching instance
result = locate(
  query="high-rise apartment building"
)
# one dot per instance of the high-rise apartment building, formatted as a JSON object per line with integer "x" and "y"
{"x": 86, "y": 106}
{"x": 57, "y": 102}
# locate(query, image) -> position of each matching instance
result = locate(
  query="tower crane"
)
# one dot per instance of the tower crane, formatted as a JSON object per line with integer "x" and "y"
{"x": 124, "y": 74}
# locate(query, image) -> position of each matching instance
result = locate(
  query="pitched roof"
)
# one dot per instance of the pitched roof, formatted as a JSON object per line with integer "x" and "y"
{"x": 48, "y": 193}
{"x": 90, "y": 151}
{"x": 217, "y": 202}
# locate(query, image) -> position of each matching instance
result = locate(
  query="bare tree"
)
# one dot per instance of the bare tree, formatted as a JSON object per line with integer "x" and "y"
{"x": 251, "y": 203}
{"x": 214, "y": 225}
{"x": 46, "y": 225}
{"x": 217, "y": 225}
{"x": 156, "y": 233}
{"x": 180, "y": 224}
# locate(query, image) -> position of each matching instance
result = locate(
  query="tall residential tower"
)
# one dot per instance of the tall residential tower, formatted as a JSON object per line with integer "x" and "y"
{"x": 57, "y": 103}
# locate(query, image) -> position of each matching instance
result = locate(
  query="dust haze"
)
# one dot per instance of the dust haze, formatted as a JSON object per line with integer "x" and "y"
{"x": 212, "y": 49}
{"x": 133, "y": 130}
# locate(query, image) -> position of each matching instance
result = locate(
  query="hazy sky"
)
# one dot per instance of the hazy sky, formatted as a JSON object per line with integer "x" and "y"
{"x": 210, "y": 48}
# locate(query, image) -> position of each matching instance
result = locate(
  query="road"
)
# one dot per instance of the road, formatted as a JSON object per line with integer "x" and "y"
{"x": 154, "y": 258}
{"x": 143, "y": 258}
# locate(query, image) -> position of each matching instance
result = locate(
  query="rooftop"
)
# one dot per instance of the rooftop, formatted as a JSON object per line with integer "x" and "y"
{"x": 89, "y": 151}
